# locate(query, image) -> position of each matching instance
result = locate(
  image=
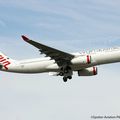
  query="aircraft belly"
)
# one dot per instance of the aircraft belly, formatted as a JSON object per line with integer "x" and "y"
{"x": 37, "y": 67}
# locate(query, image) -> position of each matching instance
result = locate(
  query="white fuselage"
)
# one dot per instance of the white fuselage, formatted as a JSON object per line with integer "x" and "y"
{"x": 47, "y": 65}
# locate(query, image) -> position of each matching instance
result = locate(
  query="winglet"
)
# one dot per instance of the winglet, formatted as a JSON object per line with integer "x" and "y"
{"x": 25, "y": 38}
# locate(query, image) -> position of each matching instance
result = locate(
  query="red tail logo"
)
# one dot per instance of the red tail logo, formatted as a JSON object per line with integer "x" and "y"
{"x": 4, "y": 62}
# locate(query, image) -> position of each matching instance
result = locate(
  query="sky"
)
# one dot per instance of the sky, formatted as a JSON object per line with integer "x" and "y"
{"x": 71, "y": 26}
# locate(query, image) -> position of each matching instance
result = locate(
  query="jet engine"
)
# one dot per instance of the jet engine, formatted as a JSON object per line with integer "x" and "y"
{"x": 1, "y": 66}
{"x": 82, "y": 60}
{"x": 88, "y": 71}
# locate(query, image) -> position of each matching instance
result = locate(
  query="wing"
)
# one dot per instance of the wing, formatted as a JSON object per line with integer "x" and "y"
{"x": 60, "y": 57}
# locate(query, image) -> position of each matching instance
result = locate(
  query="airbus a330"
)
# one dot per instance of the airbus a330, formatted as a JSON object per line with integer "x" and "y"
{"x": 60, "y": 63}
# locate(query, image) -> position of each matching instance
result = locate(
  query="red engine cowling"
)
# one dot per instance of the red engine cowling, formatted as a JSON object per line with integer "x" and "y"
{"x": 88, "y": 71}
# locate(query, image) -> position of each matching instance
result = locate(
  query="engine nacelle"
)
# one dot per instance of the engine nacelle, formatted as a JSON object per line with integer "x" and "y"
{"x": 88, "y": 71}
{"x": 1, "y": 66}
{"x": 82, "y": 60}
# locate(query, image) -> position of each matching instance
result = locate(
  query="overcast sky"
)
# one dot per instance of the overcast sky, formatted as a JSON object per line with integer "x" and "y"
{"x": 71, "y": 26}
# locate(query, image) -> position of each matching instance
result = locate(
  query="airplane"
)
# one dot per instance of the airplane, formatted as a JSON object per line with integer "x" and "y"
{"x": 60, "y": 63}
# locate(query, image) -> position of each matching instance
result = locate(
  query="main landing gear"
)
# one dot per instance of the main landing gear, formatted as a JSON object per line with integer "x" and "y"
{"x": 66, "y": 78}
{"x": 67, "y": 73}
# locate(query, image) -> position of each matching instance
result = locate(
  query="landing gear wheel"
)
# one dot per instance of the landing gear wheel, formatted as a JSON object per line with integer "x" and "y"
{"x": 69, "y": 77}
{"x": 61, "y": 74}
{"x": 65, "y": 79}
